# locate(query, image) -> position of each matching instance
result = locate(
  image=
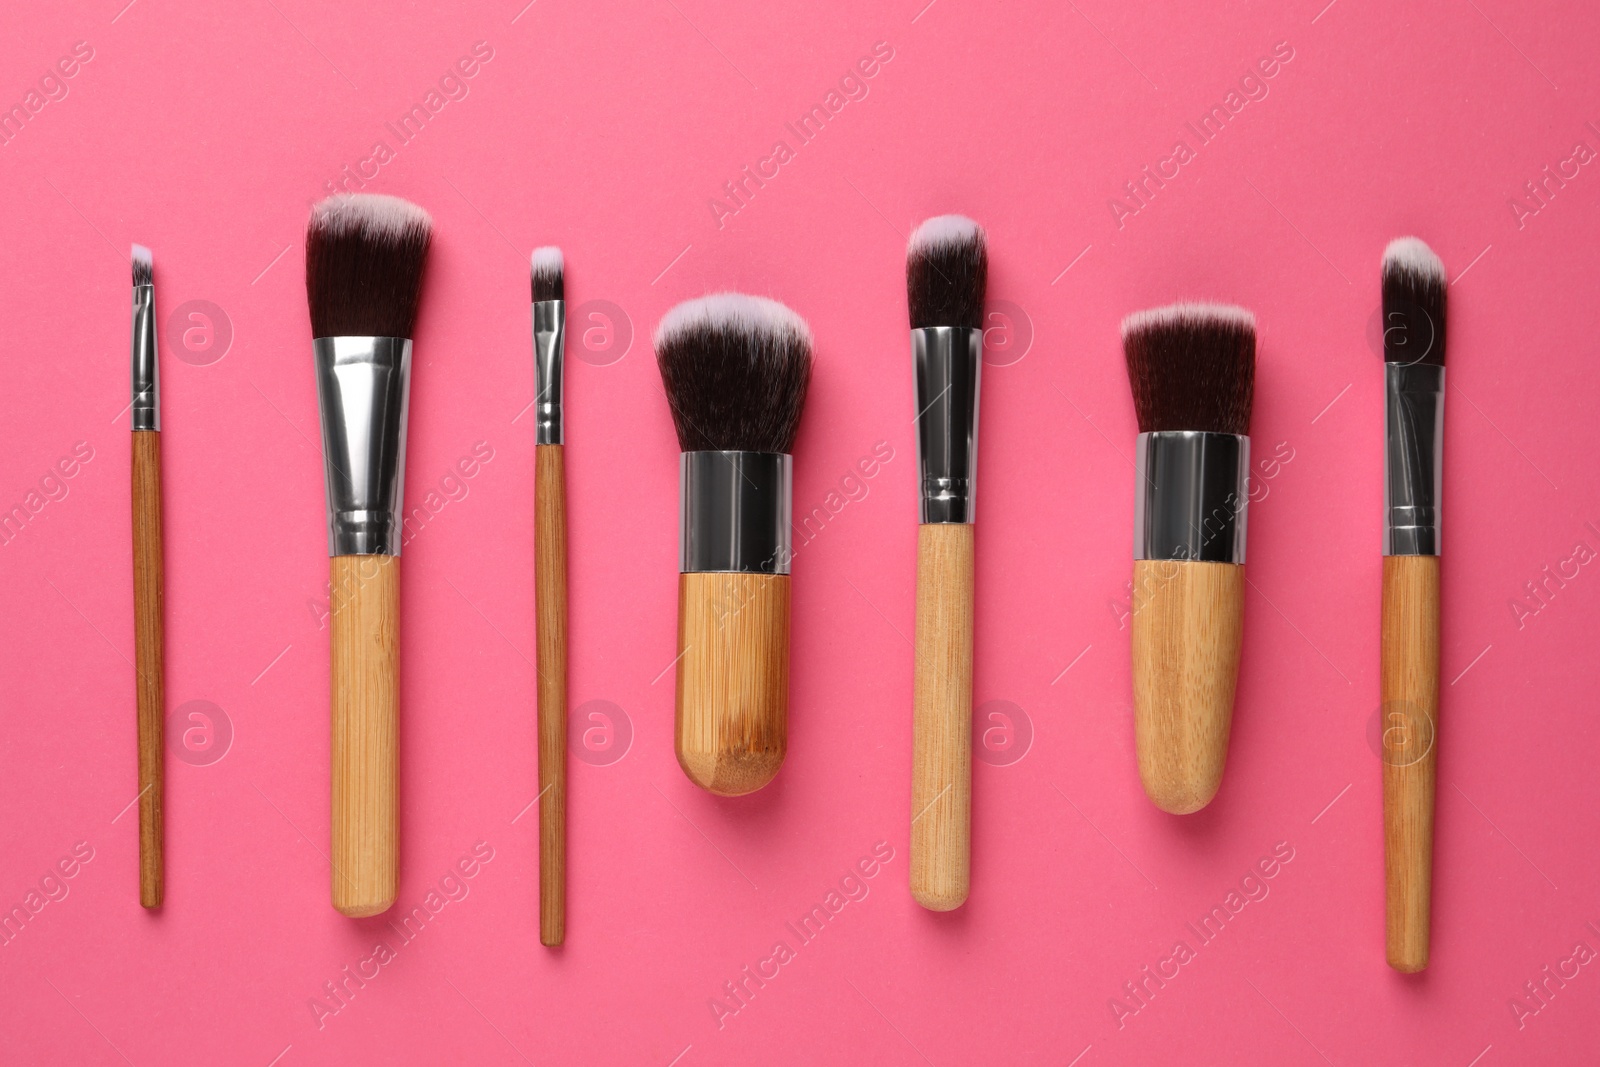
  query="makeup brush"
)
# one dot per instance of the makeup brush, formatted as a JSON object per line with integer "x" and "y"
{"x": 550, "y": 588}
{"x": 1413, "y": 354}
{"x": 735, "y": 370}
{"x": 1192, "y": 369}
{"x": 364, "y": 263}
{"x": 148, "y": 595}
{"x": 947, "y": 271}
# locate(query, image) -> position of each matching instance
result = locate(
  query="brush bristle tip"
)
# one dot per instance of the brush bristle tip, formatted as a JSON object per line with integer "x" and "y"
{"x": 548, "y": 272}
{"x": 735, "y": 369}
{"x": 1192, "y": 367}
{"x": 947, "y": 273}
{"x": 1413, "y": 254}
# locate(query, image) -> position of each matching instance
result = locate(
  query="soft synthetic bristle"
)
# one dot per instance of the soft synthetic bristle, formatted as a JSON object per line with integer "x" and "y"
{"x": 947, "y": 272}
{"x": 1192, "y": 367}
{"x": 143, "y": 266}
{"x": 1413, "y": 303}
{"x": 735, "y": 369}
{"x": 547, "y": 271}
{"x": 364, "y": 261}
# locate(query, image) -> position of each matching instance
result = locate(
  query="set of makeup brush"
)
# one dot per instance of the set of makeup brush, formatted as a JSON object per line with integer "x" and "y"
{"x": 735, "y": 370}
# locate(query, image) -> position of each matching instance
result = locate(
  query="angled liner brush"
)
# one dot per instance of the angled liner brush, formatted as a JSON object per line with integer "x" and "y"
{"x": 364, "y": 265}
{"x": 1413, "y": 353}
{"x": 947, "y": 270}
{"x": 1192, "y": 370}
{"x": 550, "y": 587}
{"x": 148, "y": 594}
{"x": 735, "y": 370}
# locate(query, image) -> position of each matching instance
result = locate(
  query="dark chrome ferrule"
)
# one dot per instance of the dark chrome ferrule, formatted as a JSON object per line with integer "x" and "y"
{"x": 1193, "y": 496}
{"x": 549, "y": 353}
{"x": 947, "y": 362}
{"x": 1413, "y": 472}
{"x": 146, "y": 376}
{"x": 734, "y": 510}
{"x": 363, "y": 390}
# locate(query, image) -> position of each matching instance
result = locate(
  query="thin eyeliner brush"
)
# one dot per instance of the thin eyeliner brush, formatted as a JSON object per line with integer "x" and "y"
{"x": 550, "y": 588}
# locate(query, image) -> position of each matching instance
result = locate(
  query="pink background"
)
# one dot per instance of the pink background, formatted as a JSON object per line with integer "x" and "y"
{"x": 204, "y": 131}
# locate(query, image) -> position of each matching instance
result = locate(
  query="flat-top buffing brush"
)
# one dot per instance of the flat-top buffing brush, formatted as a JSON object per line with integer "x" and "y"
{"x": 947, "y": 271}
{"x": 1413, "y": 353}
{"x": 364, "y": 261}
{"x": 735, "y": 370}
{"x": 1192, "y": 368}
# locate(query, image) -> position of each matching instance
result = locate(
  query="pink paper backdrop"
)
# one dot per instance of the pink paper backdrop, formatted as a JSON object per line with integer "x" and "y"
{"x": 205, "y": 130}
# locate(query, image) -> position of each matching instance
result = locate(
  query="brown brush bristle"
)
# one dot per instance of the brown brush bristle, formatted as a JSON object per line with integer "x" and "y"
{"x": 735, "y": 369}
{"x": 548, "y": 274}
{"x": 1192, "y": 367}
{"x": 947, "y": 273}
{"x": 143, "y": 266}
{"x": 364, "y": 260}
{"x": 1413, "y": 303}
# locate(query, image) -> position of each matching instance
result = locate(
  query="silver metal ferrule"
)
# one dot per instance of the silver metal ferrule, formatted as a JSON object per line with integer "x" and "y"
{"x": 1413, "y": 472}
{"x": 947, "y": 362}
{"x": 734, "y": 510}
{"x": 549, "y": 352}
{"x": 146, "y": 375}
{"x": 1193, "y": 496}
{"x": 363, "y": 389}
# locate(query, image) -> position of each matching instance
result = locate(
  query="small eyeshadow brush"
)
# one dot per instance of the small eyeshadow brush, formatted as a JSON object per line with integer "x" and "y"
{"x": 149, "y": 636}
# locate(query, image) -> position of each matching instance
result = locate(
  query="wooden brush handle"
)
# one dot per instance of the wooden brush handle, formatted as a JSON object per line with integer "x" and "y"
{"x": 941, "y": 725}
{"x": 148, "y": 642}
{"x": 366, "y": 742}
{"x": 733, "y": 679}
{"x": 1410, "y": 722}
{"x": 1188, "y": 625}
{"x": 550, "y": 603}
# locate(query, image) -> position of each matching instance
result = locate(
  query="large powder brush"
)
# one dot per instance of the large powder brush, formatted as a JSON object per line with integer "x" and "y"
{"x": 364, "y": 265}
{"x": 735, "y": 370}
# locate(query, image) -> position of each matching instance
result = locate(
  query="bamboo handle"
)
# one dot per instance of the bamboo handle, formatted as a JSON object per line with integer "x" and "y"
{"x": 1410, "y": 710}
{"x": 732, "y": 727}
{"x": 941, "y": 727}
{"x": 1188, "y": 625}
{"x": 366, "y": 708}
{"x": 550, "y": 600}
{"x": 148, "y": 654}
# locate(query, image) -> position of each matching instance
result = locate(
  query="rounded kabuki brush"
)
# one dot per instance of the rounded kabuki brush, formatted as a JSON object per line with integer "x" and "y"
{"x": 735, "y": 370}
{"x": 947, "y": 270}
{"x": 1414, "y": 290}
{"x": 1192, "y": 369}
{"x": 364, "y": 263}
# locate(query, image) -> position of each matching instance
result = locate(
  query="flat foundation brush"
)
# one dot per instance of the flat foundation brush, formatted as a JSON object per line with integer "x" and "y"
{"x": 735, "y": 370}
{"x": 947, "y": 270}
{"x": 550, "y": 587}
{"x": 1413, "y": 352}
{"x": 364, "y": 263}
{"x": 148, "y": 594}
{"x": 1192, "y": 369}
